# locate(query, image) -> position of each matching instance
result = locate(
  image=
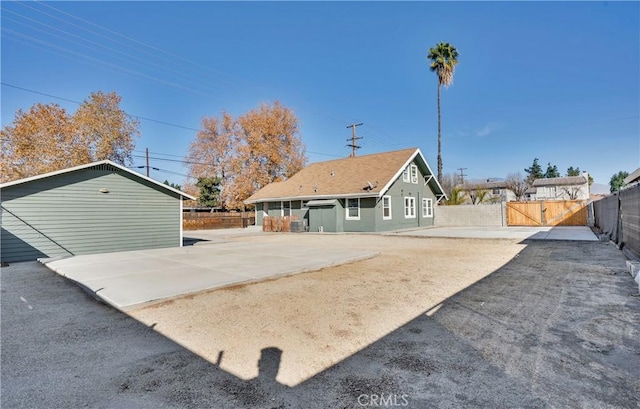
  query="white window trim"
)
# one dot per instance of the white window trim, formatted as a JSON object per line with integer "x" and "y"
{"x": 427, "y": 208}
{"x": 412, "y": 214}
{"x": 390, "y": 213}
{"x": 414, "y": 174}
{"x": 405, "y": 175}
{"x": 282, "y": 207}
{"x": 346, "y": 210}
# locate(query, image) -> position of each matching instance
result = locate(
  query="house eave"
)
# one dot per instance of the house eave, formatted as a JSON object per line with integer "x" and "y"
{"x": 313, "y": 197}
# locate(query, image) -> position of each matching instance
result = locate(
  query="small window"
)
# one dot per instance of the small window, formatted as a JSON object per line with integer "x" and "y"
{"x": 386, "y": 207}
{"x": 353, "y": 209}
{"x": 427, "y": 208}
{"x": 405, "y": 175}
{"x": 414, "y": 174}
{"x": 496, "y": 191}
{"x": 409, "y": 207}
{"x": 286, "y": 208}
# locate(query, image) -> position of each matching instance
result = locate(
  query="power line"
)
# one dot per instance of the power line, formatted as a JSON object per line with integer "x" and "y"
{"x": 79, "y": 103}
{"x": 353, "y": 139}
{"x": 462, "y": 175}
{"x": 170, "y": 54}
{"x": 140, "y": 117}
{"x": 154, "y": 51}
{"x": 111, "y": 53}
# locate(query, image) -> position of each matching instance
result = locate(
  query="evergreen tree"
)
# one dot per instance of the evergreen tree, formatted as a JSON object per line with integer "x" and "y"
{"x": 534, "y": 171}
{"x": 573, "y": 172}
{"x": 552, "y": 171}
{"x": 209, "y": 192}
{"x": 617, "y": 181}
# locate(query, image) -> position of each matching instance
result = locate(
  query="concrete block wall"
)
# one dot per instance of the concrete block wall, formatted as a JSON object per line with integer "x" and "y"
{"x": 469, "y": 215}
{"x": 634, "y": 269}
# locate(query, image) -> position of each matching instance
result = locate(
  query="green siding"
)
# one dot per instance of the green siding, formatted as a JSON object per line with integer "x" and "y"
{"x": 67, "y": 215}
{"x": 398, "y": 190}
{"x": 259, "y": 215}
{"x": 367, "y": 220}
{"x": 333, "y": 218}
{"x": 325, "y": 216}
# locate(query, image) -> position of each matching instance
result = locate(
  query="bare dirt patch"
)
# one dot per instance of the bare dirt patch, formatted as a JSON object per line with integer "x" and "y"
{"x": 318, "y": 319}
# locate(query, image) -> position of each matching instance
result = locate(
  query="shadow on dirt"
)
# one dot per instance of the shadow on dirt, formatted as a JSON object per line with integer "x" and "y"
{"x": 555, "y": 327}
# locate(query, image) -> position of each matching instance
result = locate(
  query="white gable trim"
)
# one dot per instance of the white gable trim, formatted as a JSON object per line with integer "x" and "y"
{"x": 89, "y": 165}
{"x": 395, "y": 177}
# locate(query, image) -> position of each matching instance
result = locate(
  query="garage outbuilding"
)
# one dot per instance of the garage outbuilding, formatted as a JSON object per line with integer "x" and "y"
{"x": 100, "y": 207}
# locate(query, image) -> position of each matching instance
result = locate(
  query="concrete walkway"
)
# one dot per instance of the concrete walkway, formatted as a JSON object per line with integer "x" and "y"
{"x": 132, "y": 279}
{"x": 575, "y": 233}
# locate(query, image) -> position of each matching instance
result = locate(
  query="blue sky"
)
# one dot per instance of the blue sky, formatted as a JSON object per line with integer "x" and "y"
{"x": 556, "y": 81}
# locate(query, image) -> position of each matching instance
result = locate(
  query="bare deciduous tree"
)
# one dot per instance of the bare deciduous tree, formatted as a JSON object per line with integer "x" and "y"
{"x": 449, "y": 181}
{"x": 517, "y": 184}
{"x": 572, "y": 191}
{"x": 476, "y": 193}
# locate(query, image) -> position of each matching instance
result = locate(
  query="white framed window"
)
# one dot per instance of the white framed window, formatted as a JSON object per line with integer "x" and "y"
{"x": 386, "y": 207}
{"x": 427, "y": 207}
{"x": 409, "y": 207}
{"x": 277, "y": 208}
{"x": 414, "y": 174}
{"x": 286, "y": 208}
{"x": 353, "y": 209}
{"x": 405, "y": 175}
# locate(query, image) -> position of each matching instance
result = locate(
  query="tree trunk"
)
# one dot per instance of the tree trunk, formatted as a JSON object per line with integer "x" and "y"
{"x": 439, "y": 140}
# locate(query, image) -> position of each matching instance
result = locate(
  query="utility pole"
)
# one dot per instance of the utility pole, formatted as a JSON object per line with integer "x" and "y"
{"x": 147, "y": 162}
{"x": 462, "y": 175}
{"x": 353, "y": 139}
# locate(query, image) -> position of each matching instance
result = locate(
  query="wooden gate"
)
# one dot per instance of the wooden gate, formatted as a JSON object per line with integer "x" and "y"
{"x": 547, "y": 213}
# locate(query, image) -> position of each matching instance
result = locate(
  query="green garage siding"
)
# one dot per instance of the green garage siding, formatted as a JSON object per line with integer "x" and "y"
{"x": 66, "y": 214}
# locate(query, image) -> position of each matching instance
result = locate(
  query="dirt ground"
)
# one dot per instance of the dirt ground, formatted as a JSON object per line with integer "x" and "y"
{"x": 320, "y": 318}
{"x": 551, "y": 325}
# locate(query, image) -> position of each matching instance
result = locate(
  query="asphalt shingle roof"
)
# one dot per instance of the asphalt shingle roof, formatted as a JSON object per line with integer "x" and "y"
{"x": 340, "y": 177}
{"x": 563, "y": 181}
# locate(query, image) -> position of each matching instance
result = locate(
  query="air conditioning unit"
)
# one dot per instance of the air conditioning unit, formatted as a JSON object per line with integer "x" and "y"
{"x": 297, "y": 226}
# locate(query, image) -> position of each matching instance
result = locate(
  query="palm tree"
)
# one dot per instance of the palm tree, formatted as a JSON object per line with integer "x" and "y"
{"x": 444, "y": 58}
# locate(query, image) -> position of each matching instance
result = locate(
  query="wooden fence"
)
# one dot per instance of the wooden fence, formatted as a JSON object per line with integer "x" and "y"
{"x": 277, "y": 224}
{"x": 547, "y": 213}
{"x": 218, "y": 220}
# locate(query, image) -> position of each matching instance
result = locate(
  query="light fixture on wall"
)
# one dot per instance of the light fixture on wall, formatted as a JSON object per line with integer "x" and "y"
{"x": 103, "y": 190}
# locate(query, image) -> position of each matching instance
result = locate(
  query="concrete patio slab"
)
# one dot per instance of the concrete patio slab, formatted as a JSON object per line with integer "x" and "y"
{"x": 574, "y": 233}
{"x": 128, "y": 280}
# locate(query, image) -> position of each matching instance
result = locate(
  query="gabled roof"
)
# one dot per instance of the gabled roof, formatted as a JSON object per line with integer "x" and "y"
{"x": 496, "y": 184}
{"x": 563, "y": 181}
{"x": 633, "y": 177}
{"x": 95, "y": 165}
{"x": 362, "y": 176}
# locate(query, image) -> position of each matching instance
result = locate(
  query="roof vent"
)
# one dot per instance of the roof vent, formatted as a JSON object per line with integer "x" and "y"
{"x": 333, "y": 173}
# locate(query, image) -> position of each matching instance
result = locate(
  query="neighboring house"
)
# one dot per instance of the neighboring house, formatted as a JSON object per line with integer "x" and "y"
{"x": 497, "y": 191}
{"x": 100, "y": 207}
{"x": 563, "y": 188}
{"x": 632, "y": 180}
{"x": 379, "y": 192}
